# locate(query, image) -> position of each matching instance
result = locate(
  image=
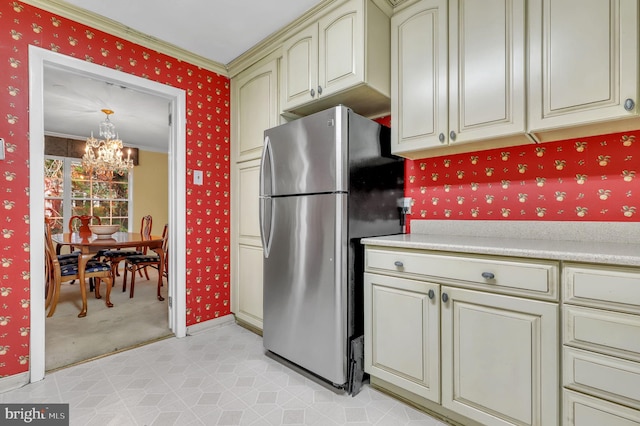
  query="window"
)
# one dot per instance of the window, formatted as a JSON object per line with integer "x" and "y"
{"x": 70, "y": 191}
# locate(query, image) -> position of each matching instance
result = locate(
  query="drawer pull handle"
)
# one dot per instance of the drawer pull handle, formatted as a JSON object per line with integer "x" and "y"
{"x": 398, "y": 264}
{"x": 445, "y": 297}
{"x": 488, "y": 275}
{"x": 431, "y": 294}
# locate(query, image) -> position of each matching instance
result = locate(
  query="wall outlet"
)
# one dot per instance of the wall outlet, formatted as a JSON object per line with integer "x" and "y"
{"x": 197, "y": 177}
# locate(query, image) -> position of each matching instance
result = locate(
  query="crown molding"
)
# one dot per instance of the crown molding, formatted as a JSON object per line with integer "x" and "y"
{"x": 114, "y": 28}
{"x": 265, "y": 47}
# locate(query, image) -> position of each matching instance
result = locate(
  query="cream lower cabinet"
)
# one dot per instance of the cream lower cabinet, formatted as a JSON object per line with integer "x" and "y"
{"x": 247, "y": 249}
{"x": 487, "y": 357}
{"x": 402, "y": 329}
{"x": 584, "y": 410}
{"x": 601, "y": 352}
{"x": 499, "y": 358}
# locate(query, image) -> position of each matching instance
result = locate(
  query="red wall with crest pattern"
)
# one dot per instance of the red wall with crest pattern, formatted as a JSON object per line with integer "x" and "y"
{"x": 584, "y": 179}
{"x": 207, "y": 127}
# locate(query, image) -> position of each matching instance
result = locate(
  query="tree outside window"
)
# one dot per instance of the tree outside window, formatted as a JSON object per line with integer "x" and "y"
{"x": 71, "y": 191}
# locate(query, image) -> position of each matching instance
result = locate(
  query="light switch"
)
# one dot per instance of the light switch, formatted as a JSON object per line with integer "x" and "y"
{"x": 1, "y": 149}
{"x": 197, "y": 177}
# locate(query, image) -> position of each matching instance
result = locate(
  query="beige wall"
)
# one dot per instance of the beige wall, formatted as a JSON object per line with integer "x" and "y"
{"x": 151, "y": 190}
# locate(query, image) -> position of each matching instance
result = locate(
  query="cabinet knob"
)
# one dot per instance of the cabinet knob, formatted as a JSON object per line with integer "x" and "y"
{"x": 431, "y": 294}
{"x": 319, "y": 90}
{"x": 441, "y": 137}
{"x": 312, "y": 93}
{"x": 488, "y": 275}
{"x": 398, "y": 264}
{"x": 445, "y": 297}
{"x": 629, "y": 104}
{"x": 452, "y": 135}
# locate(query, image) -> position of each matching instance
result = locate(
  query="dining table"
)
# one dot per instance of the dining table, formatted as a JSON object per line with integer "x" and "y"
{"x": 89, "y": 244}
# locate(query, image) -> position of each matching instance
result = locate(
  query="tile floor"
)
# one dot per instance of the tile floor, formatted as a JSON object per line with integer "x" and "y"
{"x": 216, "y": 377}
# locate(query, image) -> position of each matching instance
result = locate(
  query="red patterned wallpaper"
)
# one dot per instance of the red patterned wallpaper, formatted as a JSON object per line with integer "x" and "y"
{"x": 586, "y": 179}
{"x": 208, "y": 97}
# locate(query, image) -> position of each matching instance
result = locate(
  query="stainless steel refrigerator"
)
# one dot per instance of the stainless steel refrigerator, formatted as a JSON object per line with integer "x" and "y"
{"x": 327, "y": 180}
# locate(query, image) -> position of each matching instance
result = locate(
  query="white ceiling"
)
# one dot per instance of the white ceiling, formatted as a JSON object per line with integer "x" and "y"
{"x": 218, "y": 30}
{"x": 73, "y": 104}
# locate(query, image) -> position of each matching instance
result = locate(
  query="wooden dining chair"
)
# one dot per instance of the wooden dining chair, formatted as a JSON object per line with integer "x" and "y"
{"x": 136, "y": 263}
{"x": 57, "y": 273}
{"x": 116, "y": 256}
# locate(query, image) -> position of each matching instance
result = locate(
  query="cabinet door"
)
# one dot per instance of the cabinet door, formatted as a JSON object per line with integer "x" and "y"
{"x": 249, "y": 307}
{"x": 583, "y": 61}
{"x": 486, "y": 69}
{"x": 255, "y": 109}
{"x": 500, "y": 358}
{"x": 246, "y": 301}
{"x": 341, "y": 48}
{"x": 300, "y": 68}
{"x": 419, "y": 76}
{"x": 402, "y": 333}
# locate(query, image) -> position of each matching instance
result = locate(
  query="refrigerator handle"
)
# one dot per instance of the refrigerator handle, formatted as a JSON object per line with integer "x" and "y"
{"x": 266, "y": 232}
{"x": 266, "y": 168}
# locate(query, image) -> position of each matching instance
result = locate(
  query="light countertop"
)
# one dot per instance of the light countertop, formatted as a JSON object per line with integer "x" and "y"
{"x": 608, "y": 243}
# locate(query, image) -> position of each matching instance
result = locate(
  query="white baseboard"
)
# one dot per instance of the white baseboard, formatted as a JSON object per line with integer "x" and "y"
{"x": 16, "y": 381}
{"x": 207, "y": 325}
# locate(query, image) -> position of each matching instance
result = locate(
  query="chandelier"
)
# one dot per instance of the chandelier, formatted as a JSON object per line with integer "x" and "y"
{"x": 103, "y": 157}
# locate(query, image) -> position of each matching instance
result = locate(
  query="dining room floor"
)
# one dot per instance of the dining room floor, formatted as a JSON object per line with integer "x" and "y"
{"x": 130, "y": 322}
{"x": 218, "y": 376}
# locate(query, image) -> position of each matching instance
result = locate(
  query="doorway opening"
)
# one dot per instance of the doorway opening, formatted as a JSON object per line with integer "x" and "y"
{"x": 39, "y": 61}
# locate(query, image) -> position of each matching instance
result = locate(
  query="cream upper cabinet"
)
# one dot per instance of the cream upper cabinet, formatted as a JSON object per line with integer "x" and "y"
{"x": 583, "y": 63}
{"x": 458, "y": 76}
{"x": 255, "y": 109}
{"x": 419, "y": 77}
{"x": 500, "y": 358}
{"x": 342, "y": 56}
{"x": 300, "y": 68}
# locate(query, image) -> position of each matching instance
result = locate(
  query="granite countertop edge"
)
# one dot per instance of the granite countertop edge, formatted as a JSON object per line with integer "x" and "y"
{"x": 621, "y": 254}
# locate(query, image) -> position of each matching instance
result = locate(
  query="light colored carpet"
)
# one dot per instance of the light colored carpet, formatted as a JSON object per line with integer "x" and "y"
{"x": 128, "y": 323}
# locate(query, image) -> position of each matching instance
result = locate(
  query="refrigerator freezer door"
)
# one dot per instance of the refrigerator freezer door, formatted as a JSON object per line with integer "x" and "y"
{"x": 310, "y": 154}
{"x": 305, "y": 284}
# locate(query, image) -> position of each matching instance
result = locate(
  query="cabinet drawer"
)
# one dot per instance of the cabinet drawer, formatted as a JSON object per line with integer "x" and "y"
{"x": 494, "y": 273}
{"x": 611, "y": 333}
{"x": 606, "y": 377}
{"x": 583, "y": 410}
{"x": 603, "y": 287}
